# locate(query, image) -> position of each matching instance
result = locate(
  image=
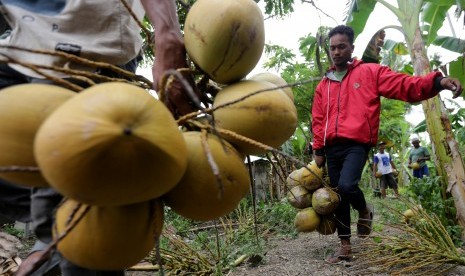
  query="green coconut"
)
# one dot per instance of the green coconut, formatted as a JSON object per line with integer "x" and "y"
{"x": 311, "y": 177}
{"x": 411, "y": 213}
{"x": 327, "y": 225}
{"x": 299, "y": 197}
{"x": 325, "y": 201}
{"x": 415, "y": 165}
{"x": 293, "y": 179}
{"x": 275, "y": 79}
{"x": 307, "y": 220}
{"x": 225, "y": 38}
{"x": 268, "y": 117}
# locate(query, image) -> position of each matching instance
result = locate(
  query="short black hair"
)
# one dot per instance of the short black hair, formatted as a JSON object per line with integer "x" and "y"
{"x": 343, "y": 30}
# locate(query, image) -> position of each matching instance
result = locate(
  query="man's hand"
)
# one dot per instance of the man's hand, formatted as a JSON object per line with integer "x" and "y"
{"x": 319, "y": 160}
{"x": 452, "y": 84}
{"x": 170, "y": 54}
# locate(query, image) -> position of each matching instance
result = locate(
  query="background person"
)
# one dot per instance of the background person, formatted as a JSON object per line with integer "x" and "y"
{"x": 418, "y": 154}
{"x": 345, "y": 124}
{"x": 382, "y": 163}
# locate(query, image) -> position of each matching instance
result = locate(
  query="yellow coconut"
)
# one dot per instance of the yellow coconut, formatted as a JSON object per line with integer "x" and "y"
{"x": 112, "y": 144}
{"x": 275, "y": 79}
{"x": 411, "y": 213}
{"x": 198, "y": 195}
{"x": 268, "y": 117}
{"x": 225, "y": 38}
{"x": 415, "y": 165}
{"x": 325, "y": 201}
{"x": 299, "y": 197}
{"x": 108, "y": 238}
{"x": 327, "y": 225}
{"x": 23, "y": 108}
{"x": 307, "y": 220}
{"x": 312, "y": 177}
{"x": 378, "y": 174}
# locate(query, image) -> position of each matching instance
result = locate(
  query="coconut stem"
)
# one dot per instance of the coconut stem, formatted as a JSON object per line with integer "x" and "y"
{"x": 127, "y": 131}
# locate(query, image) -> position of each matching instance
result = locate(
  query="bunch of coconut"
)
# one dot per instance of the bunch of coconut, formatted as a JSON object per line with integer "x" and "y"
{"x": 255, "y": 114}
{"x": 320, "y": 215}
{"x": 115, "y": 153}
{"x": 315, "y": 201}
{"x": 99, "y": 148}
{"x": 302, "y": 183}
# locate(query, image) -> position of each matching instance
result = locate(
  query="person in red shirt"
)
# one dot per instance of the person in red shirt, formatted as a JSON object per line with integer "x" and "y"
{"x": 345, "y": 123}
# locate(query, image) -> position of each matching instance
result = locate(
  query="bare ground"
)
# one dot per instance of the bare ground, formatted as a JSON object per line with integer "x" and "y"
{"x": 303, "y": 255}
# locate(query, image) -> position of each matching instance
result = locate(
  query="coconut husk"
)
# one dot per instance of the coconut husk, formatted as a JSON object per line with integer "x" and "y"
{"x": 325, "y": 201}
{"x": 307, "y": 220}
{"x": 299, "y": 197}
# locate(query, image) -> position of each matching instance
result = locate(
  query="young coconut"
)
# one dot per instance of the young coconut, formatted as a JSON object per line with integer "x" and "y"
{"x": 227, "y": 43}
{"x": 415, "y": 166}
{"x": 378, "y": 174}
{"x": 275, "y": 79}
{"x": 268, "y": 117}
{"x": 112, "y": 144}
{"x": 312, "y": 177}
{"x": 108, "y": 238}
{"x": 299, "y": 197}
{"x": 293, "y": 179}
{"x": 327, "y": 225}
{"x": 307, "y": 220}
{"x": 411, "y": 213}
{"x": 23, "y": 108}
{"x": 199, "y": 195}
{"x": 325, "y": 201}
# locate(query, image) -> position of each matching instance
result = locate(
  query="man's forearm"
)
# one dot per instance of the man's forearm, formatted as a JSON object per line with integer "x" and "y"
{"x": 162, "y": 14}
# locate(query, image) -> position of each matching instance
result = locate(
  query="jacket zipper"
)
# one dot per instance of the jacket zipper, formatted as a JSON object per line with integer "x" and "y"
{"x": 338, "y": 108}
{"x": 369, "y": 128}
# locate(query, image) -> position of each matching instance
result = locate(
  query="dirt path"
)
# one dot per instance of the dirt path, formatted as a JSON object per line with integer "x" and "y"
{"x": 305, "y": 255}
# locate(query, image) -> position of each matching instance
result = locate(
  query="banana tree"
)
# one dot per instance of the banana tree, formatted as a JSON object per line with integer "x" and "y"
{"x": 420, "y": 21}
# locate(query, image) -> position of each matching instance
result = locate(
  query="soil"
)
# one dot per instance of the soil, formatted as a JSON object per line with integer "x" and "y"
{"x": 303, "y": 255}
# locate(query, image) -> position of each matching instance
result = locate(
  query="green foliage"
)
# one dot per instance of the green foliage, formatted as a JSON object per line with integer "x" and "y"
{"x": 457, "y": 67}
{"x": 279, "y": 218}
{"x": 10, "y": 229}
{"x": 278, "y": 8}
{"x": 358, "y": 13}
{"x": 428, "y": 192}
{"x": 225, "y": 240}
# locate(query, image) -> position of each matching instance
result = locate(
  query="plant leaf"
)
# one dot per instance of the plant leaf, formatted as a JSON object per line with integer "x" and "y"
{"x": 358, "y": 13}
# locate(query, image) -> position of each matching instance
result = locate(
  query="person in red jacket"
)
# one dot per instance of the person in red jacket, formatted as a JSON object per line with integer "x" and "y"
{"x": 345, "y": 123}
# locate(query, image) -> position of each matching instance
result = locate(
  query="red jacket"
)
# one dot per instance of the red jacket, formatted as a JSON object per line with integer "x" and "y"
{"x": 349, "y": 110}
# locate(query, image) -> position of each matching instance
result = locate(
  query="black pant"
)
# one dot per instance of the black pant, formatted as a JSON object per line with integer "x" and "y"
{"x": 345, "y": 165}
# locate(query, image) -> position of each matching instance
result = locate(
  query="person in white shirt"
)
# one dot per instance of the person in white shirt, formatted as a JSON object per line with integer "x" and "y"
{"x": 382, "y": 163}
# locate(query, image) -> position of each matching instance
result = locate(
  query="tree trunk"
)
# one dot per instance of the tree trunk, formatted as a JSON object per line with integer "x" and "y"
{"x": 447, "y": 157}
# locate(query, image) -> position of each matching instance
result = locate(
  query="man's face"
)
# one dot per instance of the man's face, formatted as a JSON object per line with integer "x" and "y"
{"x": 381, "y": 147}
{"x": 340, "y": 50}
{"x": 416, "y": 144}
